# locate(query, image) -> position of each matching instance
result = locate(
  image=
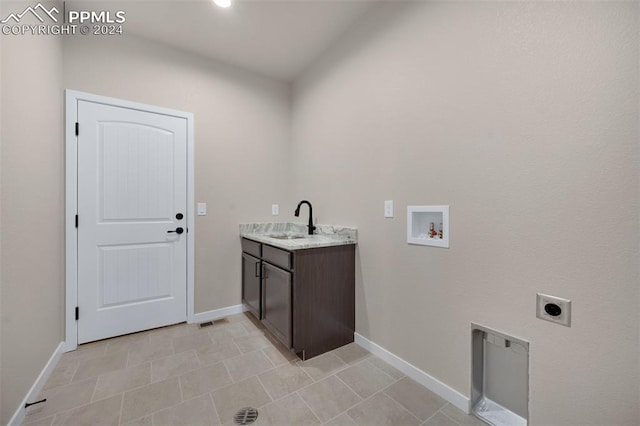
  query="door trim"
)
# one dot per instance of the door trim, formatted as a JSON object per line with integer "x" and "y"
{"x": 71, "y": 203}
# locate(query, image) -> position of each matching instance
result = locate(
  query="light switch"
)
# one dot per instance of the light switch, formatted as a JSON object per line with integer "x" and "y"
{"x": 202, "y": 209}
{"x": 275, "y": 209}
{"x": 388, "y": 208}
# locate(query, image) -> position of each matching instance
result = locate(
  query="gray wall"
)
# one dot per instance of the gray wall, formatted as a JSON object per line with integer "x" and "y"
{"x": 31, "y": 212}
{"x": 523, "y": 117}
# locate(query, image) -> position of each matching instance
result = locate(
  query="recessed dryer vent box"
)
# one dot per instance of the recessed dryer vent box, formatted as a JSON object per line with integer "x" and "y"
{"x": 500, "y": 377}
{"x": 419, "y": 220}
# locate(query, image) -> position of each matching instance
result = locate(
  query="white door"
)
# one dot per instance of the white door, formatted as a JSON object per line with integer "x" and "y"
{"x": 132, "y": 197}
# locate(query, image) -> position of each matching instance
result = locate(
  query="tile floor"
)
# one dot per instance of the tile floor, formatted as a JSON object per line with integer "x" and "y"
{"x": 185, "y": 375}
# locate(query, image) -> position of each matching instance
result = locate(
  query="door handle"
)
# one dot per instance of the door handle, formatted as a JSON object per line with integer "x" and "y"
{"x": 177, "y": 231}
{"x": 255, "y": 269}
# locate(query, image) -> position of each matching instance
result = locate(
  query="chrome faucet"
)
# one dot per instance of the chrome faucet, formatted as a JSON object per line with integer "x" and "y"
{"x": 297, "y": 213}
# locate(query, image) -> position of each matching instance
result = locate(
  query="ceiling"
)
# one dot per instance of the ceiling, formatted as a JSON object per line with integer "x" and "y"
{"x": 277, "y": 38}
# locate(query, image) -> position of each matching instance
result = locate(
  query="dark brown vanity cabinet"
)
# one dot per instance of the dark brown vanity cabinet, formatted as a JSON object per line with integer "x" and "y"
{"x": 307, "y": 295}
{"x": 276, "y": 302}
{"x": 251, "y": 286}
{"x": 251, "y": 277}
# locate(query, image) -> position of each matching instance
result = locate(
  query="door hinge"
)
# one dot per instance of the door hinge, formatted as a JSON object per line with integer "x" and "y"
{"x": 77, "y": 128}
{"x": 77, "y": 313}
{"x": 76, "y": 221}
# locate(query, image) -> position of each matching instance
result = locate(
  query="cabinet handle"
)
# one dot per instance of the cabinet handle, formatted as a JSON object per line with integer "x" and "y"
{"x": 255, "y": 269}
{"x": 264, "y": 272}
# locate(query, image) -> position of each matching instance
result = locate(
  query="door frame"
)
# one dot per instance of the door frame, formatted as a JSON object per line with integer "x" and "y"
{"x": 71, "y": 203}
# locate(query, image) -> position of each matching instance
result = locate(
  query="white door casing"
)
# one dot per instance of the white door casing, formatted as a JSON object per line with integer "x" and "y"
{"x": 133, "y": 165}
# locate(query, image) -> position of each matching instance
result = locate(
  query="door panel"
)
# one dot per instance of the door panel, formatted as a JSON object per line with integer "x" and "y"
{"x": 276, "y": 302}
{"x": 251, "y": 284}
{"x": 148, "y": 265}
{"x": 136, "y": 172}
{"x": 132, "y": 180}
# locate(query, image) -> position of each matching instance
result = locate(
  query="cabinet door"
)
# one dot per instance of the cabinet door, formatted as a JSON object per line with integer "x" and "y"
{"x": 251, "y": 288}
{"x": 276, "y": 302}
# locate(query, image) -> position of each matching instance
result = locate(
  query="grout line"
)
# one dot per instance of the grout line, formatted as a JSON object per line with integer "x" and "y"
{"x": 180, "y": 388}
{"x": 121, "y": 407}
{"x": 350, "y": 388}
{"x": 308, "y": 406}
{"x": 381, "y": 370}
{"x": 264, "y": 353}
{"x": 264, "y": 388}
{"x": 228, "y": 372}
{"x": 308, "y": 375}
{"x": 214, "y": 407}
{"x": 404, "y": 407}
{"x": 354, "y": 405}
{"x": 95, "y": 388}
{"x": 445, "y": 414}
{"x": 430, "y": 417}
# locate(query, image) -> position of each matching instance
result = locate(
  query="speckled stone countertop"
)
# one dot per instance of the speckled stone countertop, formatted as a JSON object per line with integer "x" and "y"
{"x": 325, "y": 235}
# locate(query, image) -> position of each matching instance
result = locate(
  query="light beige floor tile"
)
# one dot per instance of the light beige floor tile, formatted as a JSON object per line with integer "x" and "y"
{"x": 217, "y": 352}
{"x": 284, "y": 380}
{"x": 382, "y": 410}
{"x": 420, "y": 401}
{"x": 391, "y": 371}
{"x": 122, "y": 380}
{"x": 40, "y": 422}
{"x": 461, "y": 417}
{"x": 365, "y": 379}
{"x": 196, "y": 328}
{"x": 279, "y": 355}
{"x": 252, "y": 324}
{"x": 247, "y": 365}
{"x": 143, "y": 401}
{"x": 127, "y": 343}
{"x": 104, "y": 412}
{"x": 149, "y": 352}
{"x": 194, "y": 412}
{"x": 174, "y": 365}
{"x": 63, "y": 373}
{"x": 329, "y": 397}
{"x": 204, "y": 380}
{"x": 143, "y": 421}
{"x": 191, "y": 341}
{"x": 247, "y": 393}
{"x": 252, "y": 342}
{"x": 62, "y": 398}
{"x": 323, "y": 365}
{"x": 218, "y": 322}
{"x": 342, "y": 420}
{"x": 93, "y": 367}
{"x": 352, "y": 353}
{"x": 290, "y": 410}
{"x": 440, "y": 419}
{"x": 86, "y": 351}
{"x": 166, "y": 334}
{"x": 227, "y": 331}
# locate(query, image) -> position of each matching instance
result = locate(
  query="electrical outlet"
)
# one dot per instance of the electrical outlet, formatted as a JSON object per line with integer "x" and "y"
{"x": 275, "y": 209}
{"x": 554, "y": 309}
{"x": 388, "y": 208}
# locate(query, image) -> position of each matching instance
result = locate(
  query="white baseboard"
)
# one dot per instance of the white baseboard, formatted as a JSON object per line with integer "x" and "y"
{"x": 434, "y": 385}
{"x": 18, "y": 416}
{"x": 218, "y": 313}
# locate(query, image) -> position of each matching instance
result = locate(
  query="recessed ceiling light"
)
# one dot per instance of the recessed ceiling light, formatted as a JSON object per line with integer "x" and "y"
{"x": 223, "y": 3}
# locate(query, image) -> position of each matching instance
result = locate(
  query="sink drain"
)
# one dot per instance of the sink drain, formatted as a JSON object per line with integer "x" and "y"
{"x": 245, "y": 416}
